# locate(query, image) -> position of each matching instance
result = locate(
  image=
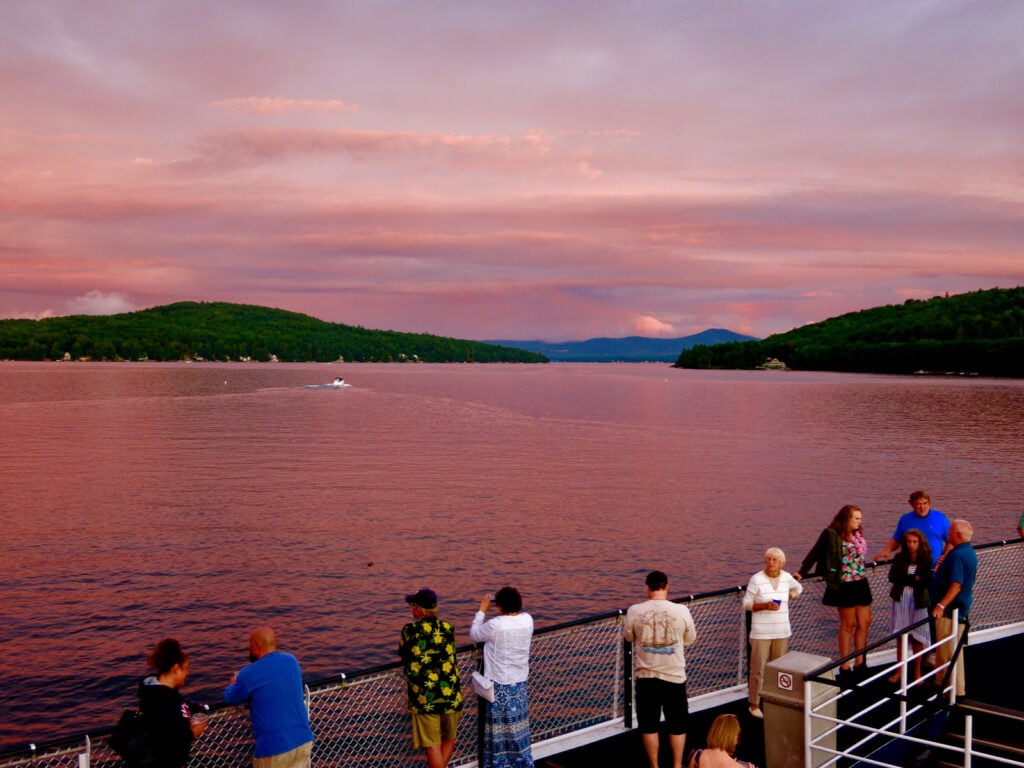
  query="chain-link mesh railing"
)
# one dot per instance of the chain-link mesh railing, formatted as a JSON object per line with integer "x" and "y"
{"x": 576, "y": 678}
{"x": 999, "y": 585}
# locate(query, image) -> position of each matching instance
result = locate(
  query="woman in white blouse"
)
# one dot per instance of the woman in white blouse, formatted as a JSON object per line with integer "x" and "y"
{"x": 506, "y": 639}
{"x": 767, "y": 598}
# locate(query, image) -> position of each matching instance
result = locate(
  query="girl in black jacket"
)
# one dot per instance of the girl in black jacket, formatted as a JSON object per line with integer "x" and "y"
{"x": 911, "y": 575}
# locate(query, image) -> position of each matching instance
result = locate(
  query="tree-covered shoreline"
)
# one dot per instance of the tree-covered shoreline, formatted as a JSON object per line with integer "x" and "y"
{"x": 225, "y": 332}
{"x": 975, "y": 333}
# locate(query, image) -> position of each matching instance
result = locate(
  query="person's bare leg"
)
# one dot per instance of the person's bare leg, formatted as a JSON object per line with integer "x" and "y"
{"x": 895, "y": 676}
{"x": 678, "y": 742}
{"x": 651, "y": 748}
{"x": 862, "y": 616}
{"x": 916, "y": 647}
{"x": 847, "y": 625}
{"x": 447, "y": 750}
{"x": 435, "y": 757}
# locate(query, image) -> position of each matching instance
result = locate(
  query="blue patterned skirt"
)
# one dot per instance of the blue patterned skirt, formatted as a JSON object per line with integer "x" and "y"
{"x": 507, "y": 728}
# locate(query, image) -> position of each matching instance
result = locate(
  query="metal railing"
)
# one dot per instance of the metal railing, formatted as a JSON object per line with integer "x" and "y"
{"x": 894, "y": 728}
{"x": 578, "y": 688}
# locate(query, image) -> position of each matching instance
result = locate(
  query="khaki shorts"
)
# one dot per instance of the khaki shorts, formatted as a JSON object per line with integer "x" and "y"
{"x": 431, "y": 730}
{"x": 294, "y": 758}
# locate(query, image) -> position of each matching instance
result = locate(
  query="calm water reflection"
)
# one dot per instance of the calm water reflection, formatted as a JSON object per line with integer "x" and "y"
{"x": 199, "y": 501}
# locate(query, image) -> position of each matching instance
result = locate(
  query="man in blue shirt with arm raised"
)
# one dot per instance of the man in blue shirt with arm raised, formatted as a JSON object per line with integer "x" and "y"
{"x": 272, "y": 686}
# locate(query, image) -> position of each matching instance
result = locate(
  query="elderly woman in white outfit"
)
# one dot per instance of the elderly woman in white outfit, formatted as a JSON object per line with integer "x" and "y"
{"x": 506, "y": 640}
{"x": 767, "y": 598}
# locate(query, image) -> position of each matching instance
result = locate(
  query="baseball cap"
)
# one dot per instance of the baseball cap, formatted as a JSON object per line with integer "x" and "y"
{"x": 425, "y": 598}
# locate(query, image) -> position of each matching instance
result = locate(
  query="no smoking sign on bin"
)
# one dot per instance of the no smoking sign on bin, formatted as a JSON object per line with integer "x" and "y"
{"x": 785, "y": 688}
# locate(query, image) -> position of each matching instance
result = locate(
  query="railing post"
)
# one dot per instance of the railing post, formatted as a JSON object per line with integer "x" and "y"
{"x": 968, "y": 737}
{"x": 808, "y": 729}
{"x": 903, "y": 645}
{"x": 954, "y": 657}
{"x": 742, "y": 653}
{"x": 307, "y": 699}
{"x": 627, "y": 684}
{"x": 481, "y": 716}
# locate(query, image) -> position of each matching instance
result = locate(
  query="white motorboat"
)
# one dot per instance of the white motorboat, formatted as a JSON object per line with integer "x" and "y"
{"x": 338, "y": 383}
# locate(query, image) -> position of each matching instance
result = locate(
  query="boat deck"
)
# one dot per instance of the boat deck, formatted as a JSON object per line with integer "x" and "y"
{"x": 580, "y": 685}
{"x": 994, "y": 676}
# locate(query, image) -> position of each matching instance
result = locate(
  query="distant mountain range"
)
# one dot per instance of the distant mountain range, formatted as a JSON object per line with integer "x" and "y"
{"x": 631, "y": 349}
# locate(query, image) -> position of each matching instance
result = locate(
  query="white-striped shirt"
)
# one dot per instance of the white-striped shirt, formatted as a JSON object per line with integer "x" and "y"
{"x": 770, "y": 625}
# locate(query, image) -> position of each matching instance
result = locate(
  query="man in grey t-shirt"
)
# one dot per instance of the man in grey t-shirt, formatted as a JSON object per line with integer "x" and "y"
{"x": 659, "y": 629}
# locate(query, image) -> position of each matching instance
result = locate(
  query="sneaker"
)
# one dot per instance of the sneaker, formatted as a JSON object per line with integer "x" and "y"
{"x": 756, "y": 712}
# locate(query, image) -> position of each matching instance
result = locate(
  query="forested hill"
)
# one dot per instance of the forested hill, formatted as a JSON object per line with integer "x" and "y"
{"x": 980, "y": 332}
{"x": 219, "y": 331}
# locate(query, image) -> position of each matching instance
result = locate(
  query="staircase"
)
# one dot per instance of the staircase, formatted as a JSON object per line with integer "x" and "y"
{"x": 996, "y": 731}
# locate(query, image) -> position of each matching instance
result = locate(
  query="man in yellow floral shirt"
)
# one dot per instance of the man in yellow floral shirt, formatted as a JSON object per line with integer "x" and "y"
{"x": 432, "y": 676}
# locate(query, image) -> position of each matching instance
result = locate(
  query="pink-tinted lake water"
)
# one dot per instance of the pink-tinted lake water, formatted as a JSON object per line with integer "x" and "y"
{"x": 202, "y": 500}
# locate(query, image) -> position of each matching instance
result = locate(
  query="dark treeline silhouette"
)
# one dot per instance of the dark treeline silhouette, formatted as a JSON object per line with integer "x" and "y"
{"x": 980, "y": 332}
{"x": 221, "y": 331}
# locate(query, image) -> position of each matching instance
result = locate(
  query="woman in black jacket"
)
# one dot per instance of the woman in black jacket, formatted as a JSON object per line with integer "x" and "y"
{"x": 840, "y": 557}
{"x": 169, "y": 727}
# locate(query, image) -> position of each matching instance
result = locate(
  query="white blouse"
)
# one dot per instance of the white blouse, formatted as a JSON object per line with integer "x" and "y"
{"x": 506, "y": 642}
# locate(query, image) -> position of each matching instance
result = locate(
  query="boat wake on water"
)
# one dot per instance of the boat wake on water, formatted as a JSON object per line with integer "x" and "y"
{"x": 338, "y": 383}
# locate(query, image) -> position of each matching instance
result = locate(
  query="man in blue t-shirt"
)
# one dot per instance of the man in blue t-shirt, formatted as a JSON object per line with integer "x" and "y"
{"x": 272, "y": 686}
{"x": 953, "y": 589}
{"x": 932, "y": 523}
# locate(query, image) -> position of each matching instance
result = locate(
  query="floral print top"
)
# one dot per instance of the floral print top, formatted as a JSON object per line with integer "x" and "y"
{"x": 852, "y": 568}
{"x": 431, "y": 672}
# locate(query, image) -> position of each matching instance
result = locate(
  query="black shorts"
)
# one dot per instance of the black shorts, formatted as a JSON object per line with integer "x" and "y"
{"x": 654, "y": 695}
{"x": 849, "y": 594}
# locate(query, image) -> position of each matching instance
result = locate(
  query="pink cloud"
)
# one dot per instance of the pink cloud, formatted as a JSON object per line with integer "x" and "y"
{"x": 645, "y": 325}
{"x": 276, "y": 105}
{"x": 529, "y": 152}
{"x": 100, "y": 303}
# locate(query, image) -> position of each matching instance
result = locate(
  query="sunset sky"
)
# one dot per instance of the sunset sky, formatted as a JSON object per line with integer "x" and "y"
{"x": 551, "y": 170}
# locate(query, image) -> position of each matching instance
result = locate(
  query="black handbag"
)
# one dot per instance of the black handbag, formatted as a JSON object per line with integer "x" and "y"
{"x": 130, "y": 740}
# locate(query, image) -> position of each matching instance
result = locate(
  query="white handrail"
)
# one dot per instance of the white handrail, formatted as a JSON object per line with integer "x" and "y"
{"x": 817, "y": 752}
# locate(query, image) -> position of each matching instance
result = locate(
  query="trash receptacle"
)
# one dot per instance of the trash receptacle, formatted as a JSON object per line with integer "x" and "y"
{"x": 782, "y": 699}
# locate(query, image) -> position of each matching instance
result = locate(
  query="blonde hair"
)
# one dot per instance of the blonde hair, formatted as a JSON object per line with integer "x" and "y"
{"x": 724, "y": 733}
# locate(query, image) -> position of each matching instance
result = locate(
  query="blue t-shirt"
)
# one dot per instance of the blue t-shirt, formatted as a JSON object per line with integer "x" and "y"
{"x": 273, "y": 687}
{"x": 934, "y": 526}
{"x": 960, "y": 566}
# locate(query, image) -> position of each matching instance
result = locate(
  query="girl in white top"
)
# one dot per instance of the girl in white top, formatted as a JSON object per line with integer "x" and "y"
{"x": 506, "y": 640}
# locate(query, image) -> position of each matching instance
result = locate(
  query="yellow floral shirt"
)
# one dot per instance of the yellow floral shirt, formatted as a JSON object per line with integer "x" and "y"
{"x": 431, "y": 672}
